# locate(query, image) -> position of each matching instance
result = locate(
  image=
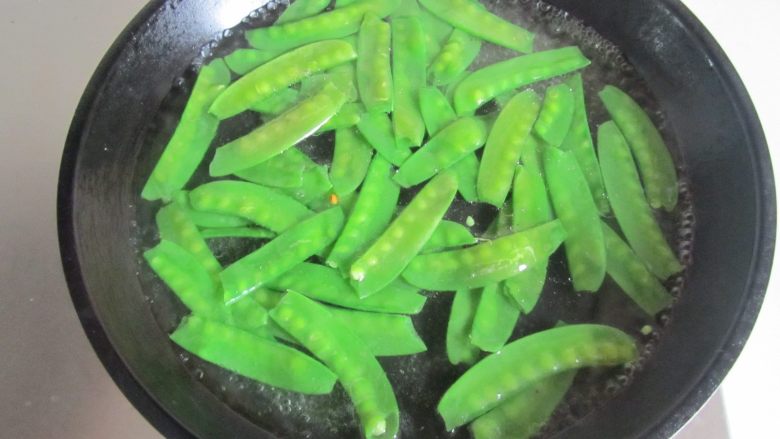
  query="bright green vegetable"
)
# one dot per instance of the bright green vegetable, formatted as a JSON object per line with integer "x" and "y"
{"x": 404, "y": 238}
{"x": 174, "y": 225}
{"x": 315, "y": 190}
{"x": 348, "y": 116}
{"x": 652, "y": 156}
{"x": 207, "y": 219}
{"x": 486, "y": 83}
{"x": 446, "y": 148}
{"x": 281, "y": 72}
{"x": 631, "y": 209}
{"x": 459, "y": 346}
{"x": 277, "y": 103}
{"x": 485, "y": 263}
{"x": 261, "y": 205}
{"x": 237, "y": 232}
{"x": 351, "y": 158}
{"x": 448, "y": 235}
{"x": 455, "y": 57}
{"x": 467, "y": 170}
{"x": 344, "y": 77}
{"x": 495, "y": 319}
{"x": 408, "y": 77}
{"x": 281, "y": 254}
{"x": 243, "y": 61}
{"x": 378, "y": 130}
{"x": 283, "y": 170}
{"x": 556, "y": 115}
{"x": 502, "y": 150}
{"x": 197, "y": 128}
{"x": 372, "y": 212}
{"x": 574, "y": 206}
{"x": 374, "y": 76}
{"x": 523, "y": 362}
{"x": 472, "y": 17}
{"x": 348, "y": 356}
{"x": 531, "y": 152}
{"x": 385, "y": 335}
{"x": 436, "y": 110}
{"x": 279, "y": 134}
{"x": 580, "y": 143}
{"x": 632, "y": 276}
{"x": 247, "y": 354}
{"x": 434, "y": 27}
{"x": 300, "y": 9}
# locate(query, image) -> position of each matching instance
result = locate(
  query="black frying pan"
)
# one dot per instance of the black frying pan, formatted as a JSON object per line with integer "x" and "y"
{"x": 710, "y": 117}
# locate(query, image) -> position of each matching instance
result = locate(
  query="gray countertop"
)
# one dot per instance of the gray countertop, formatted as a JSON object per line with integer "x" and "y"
{"x": 51, "y": 382}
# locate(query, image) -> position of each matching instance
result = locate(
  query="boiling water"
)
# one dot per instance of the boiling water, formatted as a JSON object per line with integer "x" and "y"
{"x": 420, "y": 380}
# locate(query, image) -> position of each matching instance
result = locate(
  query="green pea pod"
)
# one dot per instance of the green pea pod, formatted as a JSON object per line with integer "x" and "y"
{"x": 487, "y": 262}
{"x": 556, "y": 115}
{"x": 580, "y": 143}
{"x": 487, "y": 83}
{"x": 197, "y": 128}
{"x": 523, "y": 415}
{"x": 446, "y": 148}
{"x": 525, "y": 289}
{"x": 248, "y": 315}
{"x": 243, "y": 61}
{"x": 459, "y": 346}
{"x": 435, "y": 28}
{"x": 347, "y": 355}
{"x": 502, "y": 149}
{"x": 207, "y": 219}
{"x": 348, "y": 116}
{"x": 372, "y": 212}
{"x": 436, "y": 111}
{"x": 574, "y": 206}
{"x": 249, "y": 355}
{"x": 237, "y": 232}
{"x": 408, "y": 77}
{"x": 467, "y": 170}
{"x": 261, "y": 205}
{"x": 472, "y": 17}
{"x": 652, "y": 156}
{"x": 300, "y": 9}
{"x": 495, "y": 319}
{"x": 632, "y": 276}
{"x": 277, "y": 103}
{"x": 351, "y": 158}
{"x": 174, "y": 225}
{"x": 375, "y": 80}
{"x": 338, "y": 23}
{"x": 281, "y": 254}
{"x": 455, "y": 57}
{"x": 378, "y": 130}
{"x": 404, "y": 238}
{"x": 315, "y": 189}
{"x": 448, "y": 235}
{"x": 279, "y": 73}
{"x": 344, "y": 77}
{"x": 523, "y": 362}
{"x": 385, "y": 335}
{"x": 283, "y": 170}
{"x": 279, "y": 134}
{"x": 631, "y": 209}
{"x": 327, "y": 285}
{"x": 531, "y": 152}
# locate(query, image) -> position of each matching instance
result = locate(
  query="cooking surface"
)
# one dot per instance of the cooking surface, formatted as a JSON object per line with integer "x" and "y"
{"x": 51, "y": 382}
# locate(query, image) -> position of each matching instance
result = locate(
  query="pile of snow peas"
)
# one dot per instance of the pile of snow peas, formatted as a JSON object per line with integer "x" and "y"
{"x": 340, "y": 266}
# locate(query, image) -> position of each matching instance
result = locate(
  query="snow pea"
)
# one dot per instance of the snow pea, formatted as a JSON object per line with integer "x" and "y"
{"x": 284, "y": 252}
{"x": 281, "y": 72}
{"x": 375, "y": 81}
{"x": 249, "y": 355}
{"x": 408, "y": 77}
{"x": 486, "y": 83}
{"x": 396, "y": 247}
{"x": 351, "y": 158}
{"x": 574, "y": 206}
{"x": 300, "y": 9}
{"x": 338, "y": 23}
{"x": 372, "y": 212}
{"x": 277, "y": 135}
{"x": 207, "y": 219}
{"x": 283, "y": 170}
{"x": 502, "y": 149}
{"x": 385, "y": 335}
{"x": 455, "y": 57}
{"x": 377, "y": 128}
{"x": 459, "y": 346}
{"x": 344, "y": 77}
{"x": 630, "y": 273}
{"x": 443, "y": 150}
{"x": 652, "y": 156}
{"x": 467, "y": 170}
{"x": 556, "y": 115}
{"x": 237, "y": 232}
{"x": 436, "y": 110}
{"x": 261, "y": 205}
{"x": 472, "y": 17}
{"x": 174, "y": 225}
{"x": 194, "y": 133}
{"x": 348, "y": 116}
{"x": 277, "y": 103}
{"x": 580, "y": 142}
{"x": 487, "y": 262}
{"x": 448, "y": 234}
{"x": 315, "y": 190}
{"x": 435, "y": 28}
{"x": 525, "y": 361}
{"x": 345, "y": 353}
{"x": 327, "y": 285}
{"x": 531, "y": 152}
{"x": 631, "y": 209}
{"x": 523, "y": 415}
{"x": 494, "y": 320}
{"x": 243, "y": 61}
